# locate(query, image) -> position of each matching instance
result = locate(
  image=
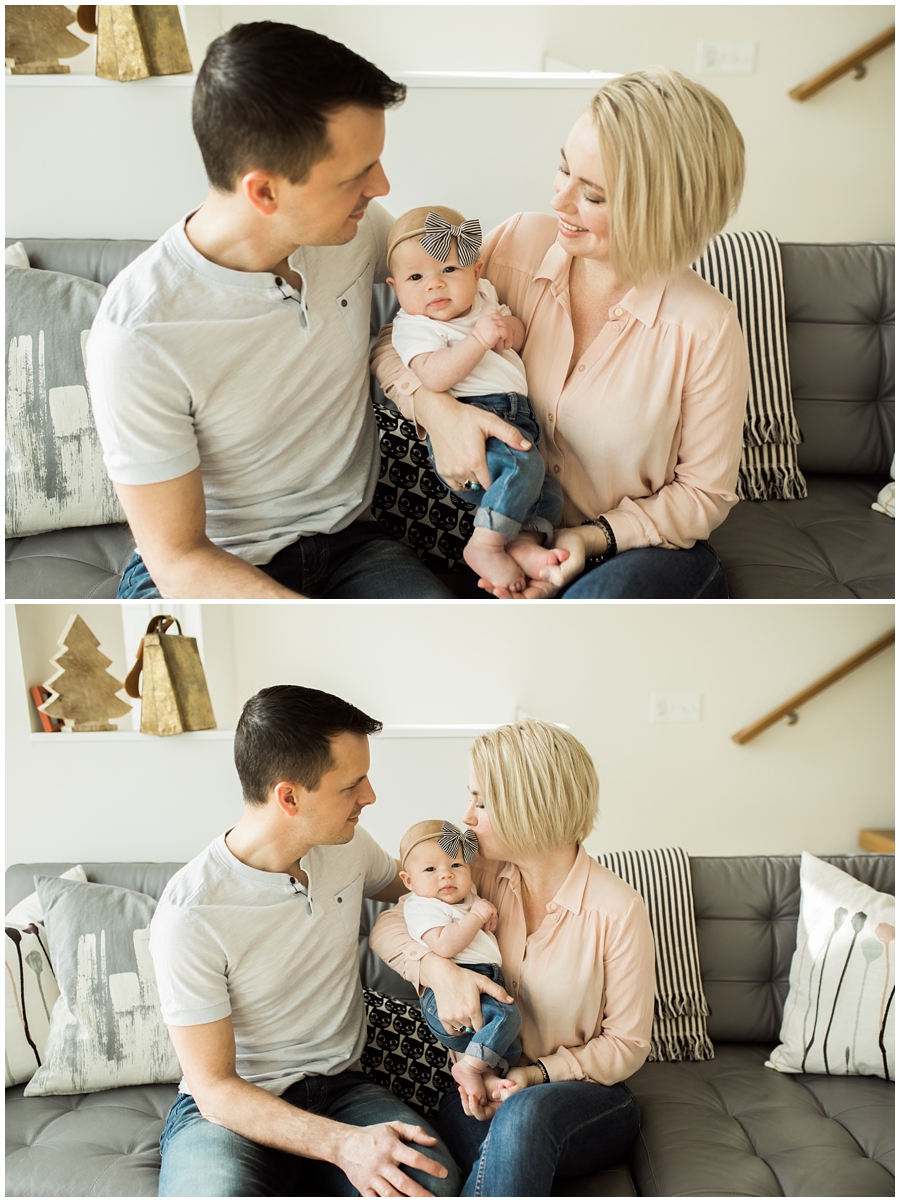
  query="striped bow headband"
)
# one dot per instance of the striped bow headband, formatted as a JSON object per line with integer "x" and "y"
{"x": 439, "y": 231}
{"x": 454, "y": 842}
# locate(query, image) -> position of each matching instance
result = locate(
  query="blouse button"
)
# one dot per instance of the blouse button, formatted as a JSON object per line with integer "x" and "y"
{"x": 549, "y": 417}
{"x": 556, "y": 468}
{"x": 279, "y": 281}
{"x": 344, "y": 303}
{"x": 614, "y": 325}
{"x": 582, "y": 367}
{"x": 617, "y": 312}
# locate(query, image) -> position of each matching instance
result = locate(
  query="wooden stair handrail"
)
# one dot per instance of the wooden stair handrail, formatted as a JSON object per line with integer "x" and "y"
{"x": 818, "y": 686}
{"x": 850, "y": 62}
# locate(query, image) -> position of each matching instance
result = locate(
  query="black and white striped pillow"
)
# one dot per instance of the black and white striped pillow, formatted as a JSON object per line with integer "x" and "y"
{"x": 663, "y": 879}
{"x": 746, "y": 267}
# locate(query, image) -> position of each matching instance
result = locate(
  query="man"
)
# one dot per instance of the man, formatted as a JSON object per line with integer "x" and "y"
{"x": 255, "y": 948}
{"x": 228, "y": 365}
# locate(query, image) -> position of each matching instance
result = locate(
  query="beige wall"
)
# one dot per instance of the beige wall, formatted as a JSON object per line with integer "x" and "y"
{"x": 811, "y": 786}
{"x": 822, "y": 170}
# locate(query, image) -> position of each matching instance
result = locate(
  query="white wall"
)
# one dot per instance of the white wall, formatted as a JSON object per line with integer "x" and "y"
{"x": 812, "y": 786}
{"x": 118, "y": 160}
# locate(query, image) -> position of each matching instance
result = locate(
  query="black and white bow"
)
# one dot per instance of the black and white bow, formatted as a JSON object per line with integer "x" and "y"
{"x": 439, "y": 231}
{"x": 454, "y": 842}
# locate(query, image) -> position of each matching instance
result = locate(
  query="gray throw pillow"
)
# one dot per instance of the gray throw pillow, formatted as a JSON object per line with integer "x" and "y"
{"x": 55, "y": 476}
{"x": 106, "y": 1028}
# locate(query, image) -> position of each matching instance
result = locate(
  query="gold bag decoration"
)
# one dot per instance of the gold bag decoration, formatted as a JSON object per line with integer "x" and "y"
{"x": 175, "y": 697}
{"x": 135, "y": 41}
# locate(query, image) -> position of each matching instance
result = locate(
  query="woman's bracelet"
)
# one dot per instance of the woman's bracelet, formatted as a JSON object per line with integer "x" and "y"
{"x": 540, "y": 1064}
{"x": 594, "y": 561}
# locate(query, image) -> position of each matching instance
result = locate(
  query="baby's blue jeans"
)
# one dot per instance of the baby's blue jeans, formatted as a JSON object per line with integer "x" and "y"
{"x": 497, "y": 1042}
{"x": 523, "y": 495}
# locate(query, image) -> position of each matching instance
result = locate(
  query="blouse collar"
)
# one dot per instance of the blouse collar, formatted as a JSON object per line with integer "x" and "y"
{"x": 642, "y": 301}
{"x": 570, "y": 895}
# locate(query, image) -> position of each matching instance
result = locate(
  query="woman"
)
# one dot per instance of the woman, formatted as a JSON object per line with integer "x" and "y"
{"x": 585, "y": 987}
{"x": 637, "y": 368}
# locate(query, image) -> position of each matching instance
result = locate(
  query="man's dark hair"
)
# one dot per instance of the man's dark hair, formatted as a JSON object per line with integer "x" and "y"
{"x": 265, "y": 92}
{"x": 285, "y": 733}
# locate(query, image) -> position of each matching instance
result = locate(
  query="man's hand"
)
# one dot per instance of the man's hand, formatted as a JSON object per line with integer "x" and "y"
{"x": 458, "y": 434}
{"x": 458, "y": 991}
{"x": 488, "y": 913}
{"x": 371, "y": 1158}
{"x": 494, "y": 331}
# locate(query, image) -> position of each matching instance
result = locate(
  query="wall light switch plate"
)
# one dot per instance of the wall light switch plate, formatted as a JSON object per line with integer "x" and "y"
{"x": 674, "y": 707}
{"x": 726, "y": 56}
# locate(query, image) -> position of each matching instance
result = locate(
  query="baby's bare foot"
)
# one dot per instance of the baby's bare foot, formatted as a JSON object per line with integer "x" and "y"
{"x": 467, "y": 1074}
{"x": 533, "y": 557}
{"x": 487, "y": 556}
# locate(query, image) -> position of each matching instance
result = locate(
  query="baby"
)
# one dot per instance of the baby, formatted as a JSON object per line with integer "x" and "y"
{"x": 447, "y": 916}
{"x": 456, "y": 336}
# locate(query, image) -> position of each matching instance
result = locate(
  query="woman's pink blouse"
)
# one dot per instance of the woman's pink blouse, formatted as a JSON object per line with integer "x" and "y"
{"x": 647, "y": 428}
{"x": 584, "y": 980}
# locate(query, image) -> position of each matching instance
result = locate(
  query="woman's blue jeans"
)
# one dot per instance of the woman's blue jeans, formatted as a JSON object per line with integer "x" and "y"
{"x": 203, "y": 1160}
{"x": 497, "y": 1041}
{"x": 654, "y": 572}
{"x": 564, "y": 1129}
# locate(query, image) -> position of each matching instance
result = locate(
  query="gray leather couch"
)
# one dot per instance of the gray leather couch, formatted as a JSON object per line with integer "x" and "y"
{"x": 723, "y": 1127}
{"x": 840, "y": 312}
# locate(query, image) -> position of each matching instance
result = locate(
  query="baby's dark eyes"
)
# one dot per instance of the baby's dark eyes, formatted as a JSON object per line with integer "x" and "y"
{"x": 448, "y": 270}
{"x": 415, "y": 276}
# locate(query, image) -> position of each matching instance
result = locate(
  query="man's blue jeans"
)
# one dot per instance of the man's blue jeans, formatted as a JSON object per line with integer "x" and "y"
{"x": 203, "y": 1160}
{"x": 362, "y": 561}
{"x": 564, "y": 1129}
{"x": 654, "y": 572}
{"x": 523, "y": 495}
{"x": 496, "y": 1042}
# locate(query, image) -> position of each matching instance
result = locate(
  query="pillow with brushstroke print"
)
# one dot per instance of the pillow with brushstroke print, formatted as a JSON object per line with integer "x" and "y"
{"x": 55, "y": 476}
{"x": 31, "y": 992}
{"x": 106, "y": 1028}
{"x": 839, "y": 1012}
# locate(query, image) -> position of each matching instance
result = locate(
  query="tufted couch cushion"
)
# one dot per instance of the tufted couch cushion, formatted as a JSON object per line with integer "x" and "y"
{"x": 839, "y": 303}
{"x": 101, "y": 1145}
{"x": 729, "y": 1126}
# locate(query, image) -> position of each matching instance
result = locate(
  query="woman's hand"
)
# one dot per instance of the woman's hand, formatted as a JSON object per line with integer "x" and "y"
{"x": 458, "y": 434}
{"x": 457, "y": 992}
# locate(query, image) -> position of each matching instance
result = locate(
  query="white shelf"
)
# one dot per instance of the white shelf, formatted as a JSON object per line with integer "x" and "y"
{"x": 412, "y": 79}
{"x": 452, "y": 731}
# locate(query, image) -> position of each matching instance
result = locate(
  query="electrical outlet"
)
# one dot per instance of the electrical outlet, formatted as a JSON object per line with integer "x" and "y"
{"x": 674, "y": 707}
{"x": 726, "y": 56}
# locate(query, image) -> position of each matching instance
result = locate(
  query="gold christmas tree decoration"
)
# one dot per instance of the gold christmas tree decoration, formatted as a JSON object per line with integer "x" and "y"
{"x": 37, "y": 38}
{"x": 84, "y": 693}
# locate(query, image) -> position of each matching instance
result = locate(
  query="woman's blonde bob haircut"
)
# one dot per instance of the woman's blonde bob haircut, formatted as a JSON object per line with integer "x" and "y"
{"x": 537, "y": 784}
{"x": 674, "y": 164}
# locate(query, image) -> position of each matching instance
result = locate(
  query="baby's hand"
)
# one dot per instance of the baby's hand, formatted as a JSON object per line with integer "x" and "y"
{"x": 494, "y": 331}
{"x": 484, "y": 910}
{"x": 501, "y": 1088}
